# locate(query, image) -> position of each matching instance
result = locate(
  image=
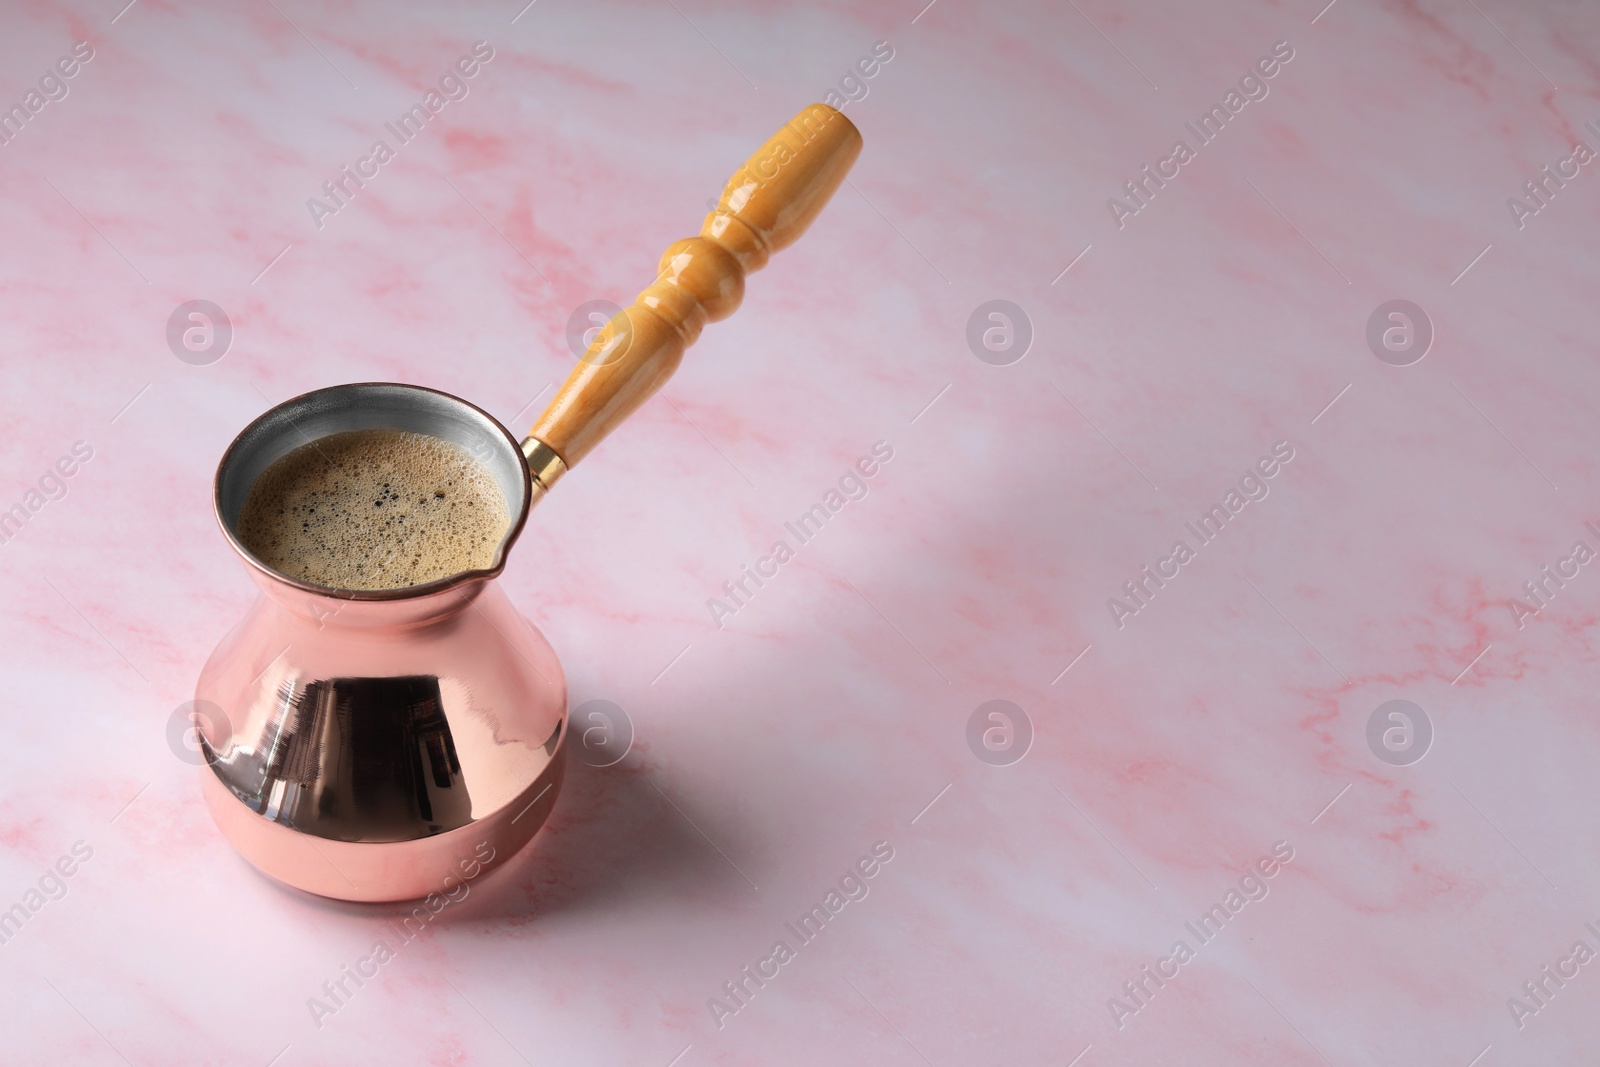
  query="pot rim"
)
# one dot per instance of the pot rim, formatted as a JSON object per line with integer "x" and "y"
{"x": 409, "y": 592}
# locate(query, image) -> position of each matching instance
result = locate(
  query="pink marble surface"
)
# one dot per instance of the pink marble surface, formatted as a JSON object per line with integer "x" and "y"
{"x": 1227, "y": 715}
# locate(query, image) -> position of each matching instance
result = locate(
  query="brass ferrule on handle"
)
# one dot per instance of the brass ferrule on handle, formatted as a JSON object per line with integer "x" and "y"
{"x": 765, "y": 207}
{"x": 543, "y": 462}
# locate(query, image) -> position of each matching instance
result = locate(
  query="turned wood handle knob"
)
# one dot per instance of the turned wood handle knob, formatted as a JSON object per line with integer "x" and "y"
{"x": 766, "y": 206}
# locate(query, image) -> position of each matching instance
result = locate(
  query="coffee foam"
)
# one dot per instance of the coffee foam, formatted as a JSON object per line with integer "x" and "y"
{"x": 374, "y": 509}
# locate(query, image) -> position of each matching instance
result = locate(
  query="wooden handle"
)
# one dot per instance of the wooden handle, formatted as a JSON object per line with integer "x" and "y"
{"x": 765, "y": 206}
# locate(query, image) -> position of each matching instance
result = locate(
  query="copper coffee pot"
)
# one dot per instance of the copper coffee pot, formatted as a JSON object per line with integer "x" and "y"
{"x": 392, "y": 744}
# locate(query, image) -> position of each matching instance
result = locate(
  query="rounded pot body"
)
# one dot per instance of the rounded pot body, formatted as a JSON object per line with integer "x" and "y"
{"x": 379, "y": 745}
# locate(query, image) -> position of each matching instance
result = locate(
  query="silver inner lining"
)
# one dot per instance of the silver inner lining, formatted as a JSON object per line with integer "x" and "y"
{"x": 366, "y": 407}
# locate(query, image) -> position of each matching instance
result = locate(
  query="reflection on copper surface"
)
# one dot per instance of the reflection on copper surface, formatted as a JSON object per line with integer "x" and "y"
{"x": 370, "y": 742}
